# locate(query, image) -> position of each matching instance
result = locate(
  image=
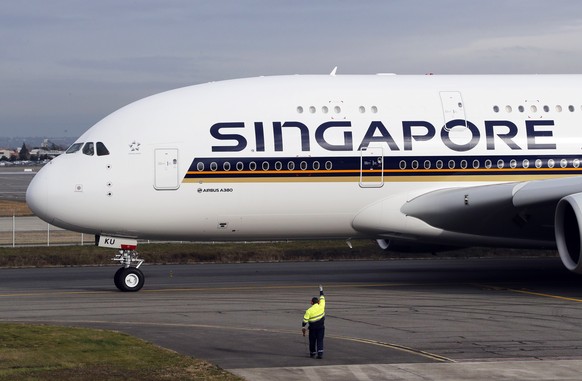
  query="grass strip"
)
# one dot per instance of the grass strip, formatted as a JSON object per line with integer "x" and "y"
{"x": 190, "y": 253}
{"x": 9, "y": 208}
{"x": 31, "y": 352}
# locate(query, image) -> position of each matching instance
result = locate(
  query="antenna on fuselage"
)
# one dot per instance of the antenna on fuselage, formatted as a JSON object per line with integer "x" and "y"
{"x": 333, "y": 71}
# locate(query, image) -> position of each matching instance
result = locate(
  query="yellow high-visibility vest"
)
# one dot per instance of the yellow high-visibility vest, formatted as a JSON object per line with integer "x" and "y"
{"x": 316, "y": 312}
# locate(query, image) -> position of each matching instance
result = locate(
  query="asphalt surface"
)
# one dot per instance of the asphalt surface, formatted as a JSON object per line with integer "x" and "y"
{"x": 14, "y": 180}
{"x": 495, "y": 319}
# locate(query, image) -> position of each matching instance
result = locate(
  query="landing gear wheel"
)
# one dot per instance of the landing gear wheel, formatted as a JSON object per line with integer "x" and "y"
{"x": 117, "y": 278}
{"x": 129, "y": 279}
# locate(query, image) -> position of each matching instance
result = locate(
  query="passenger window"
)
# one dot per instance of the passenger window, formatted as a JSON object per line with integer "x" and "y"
{"x": 88, "y": 149}
{"x": 74, "y": 148}
{"x": 102, "y": 150}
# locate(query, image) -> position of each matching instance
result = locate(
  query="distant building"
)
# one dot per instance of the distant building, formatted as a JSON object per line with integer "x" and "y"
{"x": 6, "y": 154}
{"x": 43, "y": 153}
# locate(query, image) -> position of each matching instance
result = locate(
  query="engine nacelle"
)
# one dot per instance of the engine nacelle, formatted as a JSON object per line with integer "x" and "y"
{"x": 568, "y": 230}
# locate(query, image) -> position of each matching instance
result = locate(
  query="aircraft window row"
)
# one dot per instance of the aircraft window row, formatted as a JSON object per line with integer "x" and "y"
{"x": 89, "y": 148}
{"x": 373, "y": 109}
{"x": 534, "y": 108}
{"x": 265, "y": 166}
{"x": 488, "y": 164}
{"x": 335, "y": 109}
{"x": 324, "y": 109}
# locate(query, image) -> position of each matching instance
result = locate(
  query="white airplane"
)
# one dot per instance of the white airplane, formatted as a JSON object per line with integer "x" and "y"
{"x": 406, "y": 160}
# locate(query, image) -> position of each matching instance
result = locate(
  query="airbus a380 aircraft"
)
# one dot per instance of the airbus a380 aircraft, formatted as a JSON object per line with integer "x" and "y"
{"x": 405, "y": 160}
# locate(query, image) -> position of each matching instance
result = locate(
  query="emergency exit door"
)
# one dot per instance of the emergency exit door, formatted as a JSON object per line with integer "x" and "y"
{"x": 455, "y": 119}
{"x": 453, "y": 107}
{"x": 166, "y": 169}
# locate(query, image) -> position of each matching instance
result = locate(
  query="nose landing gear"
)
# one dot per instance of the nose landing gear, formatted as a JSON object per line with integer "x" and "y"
{"x": 128, "y": 278}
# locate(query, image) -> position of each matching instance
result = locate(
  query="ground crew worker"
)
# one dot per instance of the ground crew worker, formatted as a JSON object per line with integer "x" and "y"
{"x": 315, "y": 317}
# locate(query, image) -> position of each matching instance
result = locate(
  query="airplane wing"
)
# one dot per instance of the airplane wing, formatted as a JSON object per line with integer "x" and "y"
{"x": 524, "y": 209}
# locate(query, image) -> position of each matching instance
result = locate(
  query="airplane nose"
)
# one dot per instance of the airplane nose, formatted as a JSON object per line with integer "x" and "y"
{"x": 37, "y": 195}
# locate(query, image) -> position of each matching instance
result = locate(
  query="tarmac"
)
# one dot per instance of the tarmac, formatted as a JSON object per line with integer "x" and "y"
{"x": 14, "y": 180}
{"x": 494, "y": 319}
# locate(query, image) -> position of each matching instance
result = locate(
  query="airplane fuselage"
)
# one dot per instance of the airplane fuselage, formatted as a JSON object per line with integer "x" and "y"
{"x": 315, "y": 157}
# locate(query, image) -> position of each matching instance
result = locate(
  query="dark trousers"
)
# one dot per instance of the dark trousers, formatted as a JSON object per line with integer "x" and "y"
{"x": 316, "y": 340}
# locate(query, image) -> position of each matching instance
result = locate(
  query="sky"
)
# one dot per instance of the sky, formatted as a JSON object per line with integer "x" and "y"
{"x": 66, "y": 64}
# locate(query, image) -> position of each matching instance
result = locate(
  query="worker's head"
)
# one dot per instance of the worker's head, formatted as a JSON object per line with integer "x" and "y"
{"x": 314, "y": 300}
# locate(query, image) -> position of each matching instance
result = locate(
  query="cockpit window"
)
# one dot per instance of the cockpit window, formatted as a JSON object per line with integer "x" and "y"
{"x": 74, "y": 147}
{"x": 102, "y": 150}
{"x": 89, "y": 149}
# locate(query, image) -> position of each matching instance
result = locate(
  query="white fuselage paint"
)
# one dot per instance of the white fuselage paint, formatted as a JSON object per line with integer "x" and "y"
{"x": 259, "y": 119}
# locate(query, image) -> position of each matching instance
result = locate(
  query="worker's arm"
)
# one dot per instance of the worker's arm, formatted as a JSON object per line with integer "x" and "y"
{"x": 320, "y": 290}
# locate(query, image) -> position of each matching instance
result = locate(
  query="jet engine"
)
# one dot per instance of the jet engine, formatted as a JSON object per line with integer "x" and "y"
{"x": 568, "y": 230}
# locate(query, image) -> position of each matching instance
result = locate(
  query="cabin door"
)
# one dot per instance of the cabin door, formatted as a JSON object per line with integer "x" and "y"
{"x": 371, "y": 167}
{"x": 166, "y": 169}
